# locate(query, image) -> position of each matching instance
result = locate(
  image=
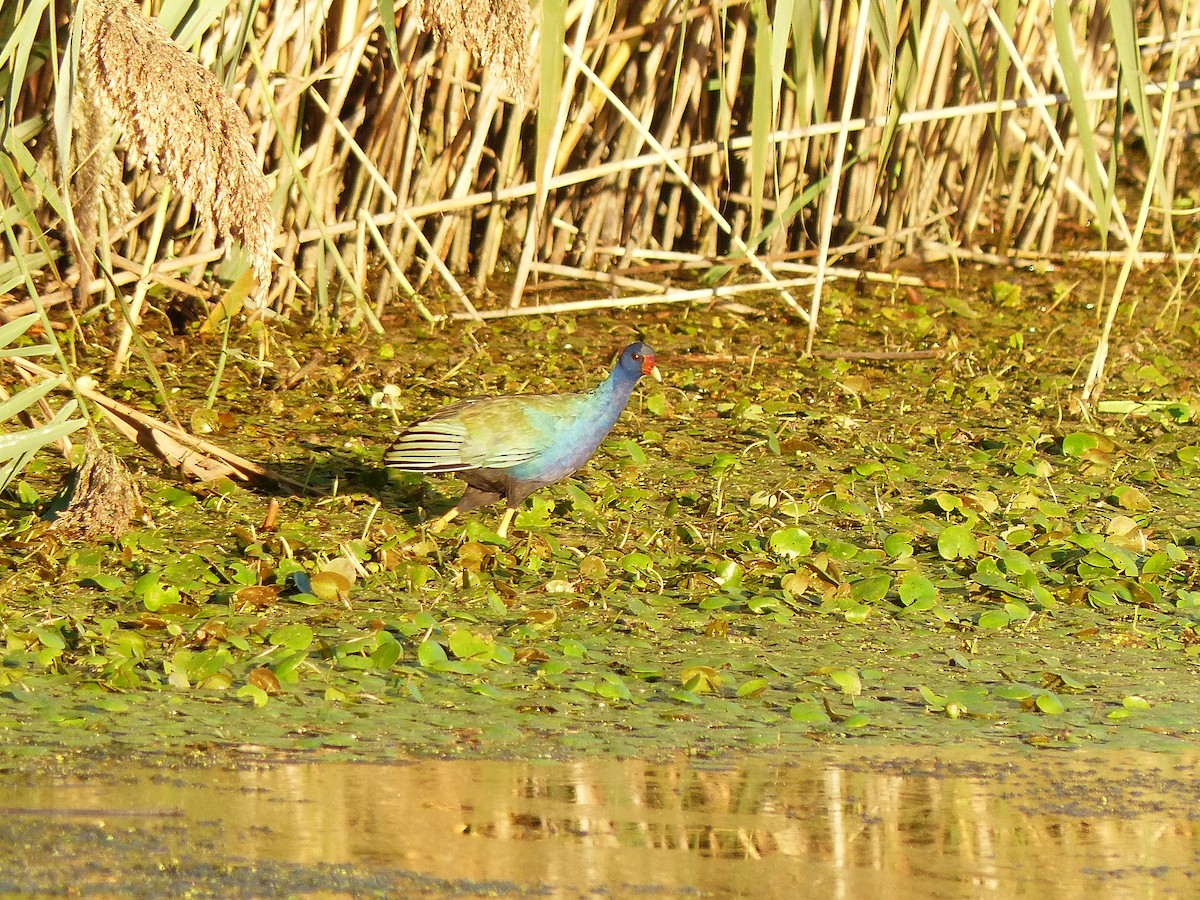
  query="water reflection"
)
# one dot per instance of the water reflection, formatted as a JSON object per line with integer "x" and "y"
{"x": 909, "y": 823}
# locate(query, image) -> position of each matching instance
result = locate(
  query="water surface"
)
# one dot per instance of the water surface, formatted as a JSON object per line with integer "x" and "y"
{"x": 910, "y": 822}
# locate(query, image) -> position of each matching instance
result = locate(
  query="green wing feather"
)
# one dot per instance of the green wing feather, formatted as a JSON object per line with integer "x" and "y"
{"x": 485, "y": 433}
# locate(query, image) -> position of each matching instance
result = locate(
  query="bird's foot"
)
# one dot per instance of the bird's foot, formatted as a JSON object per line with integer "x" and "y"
{"x": 442, "y": 521}
{"x": 505, "y": 521}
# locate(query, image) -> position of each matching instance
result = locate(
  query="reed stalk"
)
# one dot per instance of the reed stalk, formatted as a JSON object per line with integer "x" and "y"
{"x": 450, "y": 143}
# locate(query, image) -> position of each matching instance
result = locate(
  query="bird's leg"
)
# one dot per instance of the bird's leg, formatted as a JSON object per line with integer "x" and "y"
{"x": 443, "y": 520}
{"x": 505, "y": 521}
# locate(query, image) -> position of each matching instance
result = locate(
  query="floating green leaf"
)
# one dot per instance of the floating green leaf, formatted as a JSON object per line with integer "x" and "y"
{"x": 1050, "y": 704}
{"x": 1079, "y": 442}
{"x": 916, "y": 588}
{"x": 809, "y": 712}
{"x": 957, "y": 542}
{"x": 791, "y": 542}
{"x": 871, "y": 589}
{"x": 847, "y": 680}
{"x": 431, "y": 654}
{"x": 292, "y": 637}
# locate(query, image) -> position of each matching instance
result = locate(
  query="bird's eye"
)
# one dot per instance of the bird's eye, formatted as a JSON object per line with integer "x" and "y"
{"x": 637, "y": 356}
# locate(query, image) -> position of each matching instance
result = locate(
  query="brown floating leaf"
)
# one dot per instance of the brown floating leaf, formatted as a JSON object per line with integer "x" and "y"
{"x": 258, "y": 595}
{"x": 264, "y": 679}
{"x": 541, "y": 618}
{"x": 1132, "y": 498}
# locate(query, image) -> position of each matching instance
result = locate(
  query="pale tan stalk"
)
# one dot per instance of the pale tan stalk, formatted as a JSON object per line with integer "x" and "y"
{"x": 528, "y": 248}
{"x": 696, "y": 295}
{"x": 451, "y": 281}
{"x": 486, "y": 106}
{"x": 1094, "y": 384}
{"x": 703, "y": 200}
{"x": 829, "y": 201}
{"x": 960, "y": 161}
{"x": 607, "y": 278}
{"x": 133, "y": 312}
{"x": 494, "y": 230}
{"x": 394, "y": 267}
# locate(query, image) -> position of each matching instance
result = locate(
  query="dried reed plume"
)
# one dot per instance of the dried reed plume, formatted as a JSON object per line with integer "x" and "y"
{"x": 104, "y": 499}
{"x": 175, "y": 116}
{"x": 496, "y": 31}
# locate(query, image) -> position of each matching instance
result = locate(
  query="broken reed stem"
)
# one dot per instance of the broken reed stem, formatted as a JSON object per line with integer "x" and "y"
{"x": 244, "y": 466}
{"x": 698, "y": 295}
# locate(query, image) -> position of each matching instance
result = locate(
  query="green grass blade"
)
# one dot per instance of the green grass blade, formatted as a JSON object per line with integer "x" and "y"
{"x": 883, "y": 19}
{"x": 807, "y": 63}
{"x": 27, "y": 352}
{"x": 781, "y": 30}
{"x": 1006, "y": 13}
{"x": 187, "y": 21}
{"x": 762, "y": 115}
{"x": 1069, "y": 60}
{"x": 26, "y": 398}
{"x": 18, "y": 49}
{"x": 387, "y": 19}
{"x": 553, "y": 32}
{"x": 10, "y": 331}
{"x": 19, "y": 448}
{"x": 11, "y": 275}
{"x": 1125, "y": 38}
{"x": 959, "y": 26}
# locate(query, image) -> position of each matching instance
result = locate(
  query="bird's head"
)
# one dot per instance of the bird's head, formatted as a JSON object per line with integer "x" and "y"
{"x": 639, "y": 358}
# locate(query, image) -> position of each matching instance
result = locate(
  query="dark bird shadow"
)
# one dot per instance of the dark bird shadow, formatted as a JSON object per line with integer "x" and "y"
{"x": 332, "y": 470}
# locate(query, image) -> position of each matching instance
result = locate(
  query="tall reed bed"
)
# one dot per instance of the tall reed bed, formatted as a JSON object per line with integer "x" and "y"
{"x": 657, "y": 150}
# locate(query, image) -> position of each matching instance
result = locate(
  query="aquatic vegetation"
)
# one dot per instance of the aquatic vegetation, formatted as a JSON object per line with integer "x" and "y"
{"x": 768, "y": 550}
